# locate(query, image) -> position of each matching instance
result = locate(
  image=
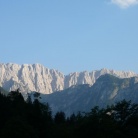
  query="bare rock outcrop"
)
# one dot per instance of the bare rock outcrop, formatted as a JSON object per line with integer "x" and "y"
{"x": 36, "y": 77}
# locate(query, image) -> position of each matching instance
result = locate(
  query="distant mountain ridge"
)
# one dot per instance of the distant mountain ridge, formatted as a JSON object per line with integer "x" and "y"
{"x": 36, "y": 77}
{"x": 107, "y": 90}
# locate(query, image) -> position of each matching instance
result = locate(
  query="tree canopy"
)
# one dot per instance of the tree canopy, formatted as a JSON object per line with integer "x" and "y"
{"x": 27, "y": 119}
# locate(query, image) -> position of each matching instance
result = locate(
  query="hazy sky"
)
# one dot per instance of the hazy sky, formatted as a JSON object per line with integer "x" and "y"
{"x": 70, "y": 35}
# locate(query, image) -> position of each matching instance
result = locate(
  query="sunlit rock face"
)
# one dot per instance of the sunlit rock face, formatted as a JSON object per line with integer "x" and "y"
{"x": 36, "y": 77}
{"x": 30, "y": 78}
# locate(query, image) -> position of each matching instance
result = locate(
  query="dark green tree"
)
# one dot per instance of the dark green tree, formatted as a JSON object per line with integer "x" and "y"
{"x": 60, "y": 118}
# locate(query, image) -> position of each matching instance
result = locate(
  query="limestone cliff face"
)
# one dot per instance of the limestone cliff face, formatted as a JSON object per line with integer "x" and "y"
{"x": 30, "y": 78}
{"x": 36, "y": 77}
{"x": 91, "y": 77}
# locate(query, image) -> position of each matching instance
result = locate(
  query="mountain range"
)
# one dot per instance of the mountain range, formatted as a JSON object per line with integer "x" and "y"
{"x": 78, "y": 91}
{"x": 36, "y": 77}
{"x": 106, "y": 90}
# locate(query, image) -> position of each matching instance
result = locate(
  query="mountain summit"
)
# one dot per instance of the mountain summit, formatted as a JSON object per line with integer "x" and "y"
{"x": 36, "y": 77}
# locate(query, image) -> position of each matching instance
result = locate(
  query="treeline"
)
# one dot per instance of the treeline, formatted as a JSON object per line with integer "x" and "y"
{"x": 27, "y": 119}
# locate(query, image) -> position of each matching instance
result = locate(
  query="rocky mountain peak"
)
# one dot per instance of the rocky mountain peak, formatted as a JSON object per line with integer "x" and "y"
{"x": 36, "y": 77}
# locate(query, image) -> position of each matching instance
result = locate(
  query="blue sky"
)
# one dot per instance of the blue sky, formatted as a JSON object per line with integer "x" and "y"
{"x": 70, "y": 35}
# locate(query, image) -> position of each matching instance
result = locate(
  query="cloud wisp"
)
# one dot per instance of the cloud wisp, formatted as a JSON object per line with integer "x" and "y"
{"x": 125, "y": 3}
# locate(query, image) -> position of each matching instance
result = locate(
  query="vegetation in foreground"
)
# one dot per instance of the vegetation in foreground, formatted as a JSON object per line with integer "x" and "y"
{"x": 27, "y": 119}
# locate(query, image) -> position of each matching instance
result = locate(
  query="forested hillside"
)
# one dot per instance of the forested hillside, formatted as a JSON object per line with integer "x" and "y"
{"x": 24, "y": 119}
